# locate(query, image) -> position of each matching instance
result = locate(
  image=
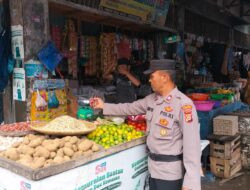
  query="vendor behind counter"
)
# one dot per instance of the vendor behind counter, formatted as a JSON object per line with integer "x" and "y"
{"x": 126, "y": 82}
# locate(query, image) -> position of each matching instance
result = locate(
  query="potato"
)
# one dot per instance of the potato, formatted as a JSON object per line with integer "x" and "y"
{"x": 66, "y": 139}
{"x": 68, "y": 144}
{"x": 28, "y": 150}
{"x": 26, "y": 140}
{"x": 68, "y": 152}
{"x": 35, "y": 142}
{"x": 57, "y": 140}
{"x": 38, "y": 163}
{"x": 21, "y": 148}
{"x": 52, "y": 147}
{"x": 87, "y": 153}
{"x": 95, "y": 147}
{"x": 58, "y": 159}
{"x": 41, "y": 152}
{"x": 74, "y": 147}
{"x": 31, "y": 137}
{"x": 16, "y": 144}
{"x": 48, "y": 163}
{"x": 26, "y": 157}
{"x": 60, "y": 152}
{"x": 73, "y": 140}
{"x": 46, "y": 142}
{"x": 52, "y": 155}
{"x": 77, "y": 154}
{"x": 85, "y": 145}
{"x": 12, "y": 154}
{"x": 61, "y": 143}
{"x": 66, "y": 158}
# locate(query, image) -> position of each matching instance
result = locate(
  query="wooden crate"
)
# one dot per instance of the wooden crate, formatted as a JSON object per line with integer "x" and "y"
{"x": 225, "y": 125}
{"x": 224, "y": 147}
{"x": 225, "y": 168}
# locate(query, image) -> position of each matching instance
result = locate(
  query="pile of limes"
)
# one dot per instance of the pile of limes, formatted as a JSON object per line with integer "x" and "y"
{"x": 110, "y": 135}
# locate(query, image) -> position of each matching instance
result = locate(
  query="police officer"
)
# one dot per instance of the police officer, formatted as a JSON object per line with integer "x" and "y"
{"x": 173, "y": 132}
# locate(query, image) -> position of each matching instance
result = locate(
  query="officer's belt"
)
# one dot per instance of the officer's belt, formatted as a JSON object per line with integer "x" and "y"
{"x": 165, "y": 158}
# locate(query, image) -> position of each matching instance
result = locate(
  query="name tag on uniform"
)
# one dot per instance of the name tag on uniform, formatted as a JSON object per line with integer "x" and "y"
{"x": 166, "y": 114}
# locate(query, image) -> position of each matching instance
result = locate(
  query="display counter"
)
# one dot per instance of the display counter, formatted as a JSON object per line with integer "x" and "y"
{"x": 122, "y": 169}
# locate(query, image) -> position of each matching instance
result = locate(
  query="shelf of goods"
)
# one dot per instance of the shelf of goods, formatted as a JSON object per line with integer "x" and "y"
{"x": 82, "y": 12}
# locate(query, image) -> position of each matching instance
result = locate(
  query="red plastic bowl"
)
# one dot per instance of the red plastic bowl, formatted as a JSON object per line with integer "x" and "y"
{"x": 204, "y": 105}
{"x": 198, "y": 96}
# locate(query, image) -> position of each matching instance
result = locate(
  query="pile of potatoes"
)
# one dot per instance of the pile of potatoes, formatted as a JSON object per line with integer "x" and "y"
{"x": 38, "y": 151}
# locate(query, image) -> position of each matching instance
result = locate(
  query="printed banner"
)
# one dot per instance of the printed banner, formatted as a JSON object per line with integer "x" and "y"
{"x": 126, "y": 170}
{"x": 19, "y": 90}
{"x": 130, "y": 7}
{"x": 17, "y": 41}
{"x": 152, "y": 11}
{"x": 35, "y": 69}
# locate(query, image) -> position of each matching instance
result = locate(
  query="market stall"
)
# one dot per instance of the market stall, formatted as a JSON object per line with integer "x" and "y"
{"x": 88, "y": 162}
{"x": 63, "y": 73}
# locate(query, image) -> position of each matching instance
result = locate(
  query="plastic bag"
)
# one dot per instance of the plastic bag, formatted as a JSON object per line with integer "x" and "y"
{"x": 50, "y": 56}
{"x": 53, "y": 101}
{"x": 40, "y": 102}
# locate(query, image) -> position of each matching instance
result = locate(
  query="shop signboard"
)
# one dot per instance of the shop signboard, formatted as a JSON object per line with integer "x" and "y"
{"x": 124, "y": 170}
{"x": 19, "y": 90}
{"x": 154, "y": 11}
{"x": 129, "y": 7}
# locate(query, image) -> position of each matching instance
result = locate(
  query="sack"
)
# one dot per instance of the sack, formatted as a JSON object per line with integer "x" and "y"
{"x": 40, "y": 102}
{"x": 53, "y": 101}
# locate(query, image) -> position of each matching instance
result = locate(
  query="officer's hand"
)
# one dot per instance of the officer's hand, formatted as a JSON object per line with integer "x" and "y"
{"x": 96, "y": 103}
{"x": 184, "y": 188}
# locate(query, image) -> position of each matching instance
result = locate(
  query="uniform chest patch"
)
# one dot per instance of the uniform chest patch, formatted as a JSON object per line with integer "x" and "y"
{"x": 168, "y": 109}
{"x": 188, "y": 115}
{"x": 163, "y": 122}
{"x": 163, "y": 132}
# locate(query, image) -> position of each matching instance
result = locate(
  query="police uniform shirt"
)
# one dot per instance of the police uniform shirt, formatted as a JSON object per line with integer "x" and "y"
{"x": 173, "y": 129}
